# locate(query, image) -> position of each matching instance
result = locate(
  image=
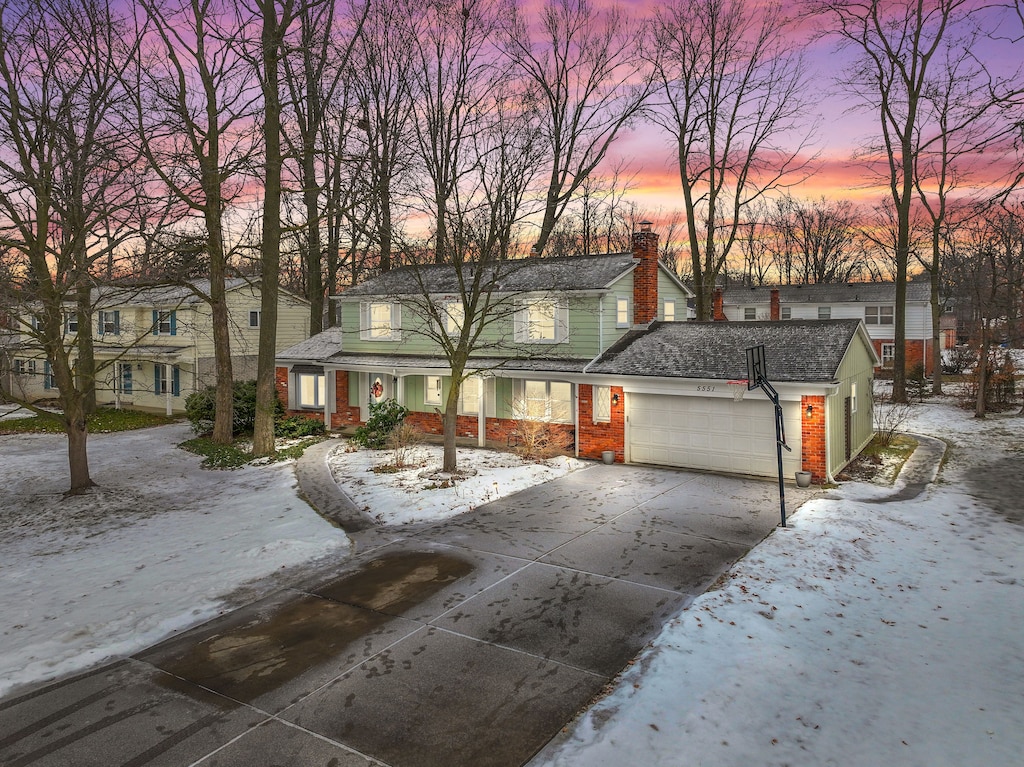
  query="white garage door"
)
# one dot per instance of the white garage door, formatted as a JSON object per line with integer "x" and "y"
{"x": 715, "y": 434}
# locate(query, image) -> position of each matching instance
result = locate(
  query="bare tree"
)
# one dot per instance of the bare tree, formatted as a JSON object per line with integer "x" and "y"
{"x": 902, "y": 46}
{"x": 590, "y": 84}
{"x": 66, "y": 185}
{"x": 195, "y": 103}
{"x": 732, "y": 92}
{"x": 813, "y": 241}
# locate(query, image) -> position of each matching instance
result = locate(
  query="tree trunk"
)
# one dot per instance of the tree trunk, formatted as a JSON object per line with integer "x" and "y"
{"x": 979, "y": 405}
{"x": 936, "y": 327}
{"x": 451, "y": 414}
{"x": 224, "y": 397}
{"x": 78, "y": 457}
{"x": 266, "y": 394}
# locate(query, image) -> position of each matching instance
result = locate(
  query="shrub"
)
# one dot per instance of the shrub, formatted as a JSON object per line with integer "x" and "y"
{"x": 384, "y": 417}
{"x": 890, "y": 418}
{"x": 402, "y": 439}
{"x": 299, "y": 426}
{"x": 201, "y": 407}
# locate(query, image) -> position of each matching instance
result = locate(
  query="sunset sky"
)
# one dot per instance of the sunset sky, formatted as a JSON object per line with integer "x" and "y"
{"x": 650, "y": 152}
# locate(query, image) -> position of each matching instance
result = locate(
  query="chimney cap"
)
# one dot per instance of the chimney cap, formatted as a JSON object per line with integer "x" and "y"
{"x": 645, "y": 226}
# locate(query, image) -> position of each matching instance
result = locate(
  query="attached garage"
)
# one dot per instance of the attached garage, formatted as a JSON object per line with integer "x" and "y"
{"x": 710, "y": 433}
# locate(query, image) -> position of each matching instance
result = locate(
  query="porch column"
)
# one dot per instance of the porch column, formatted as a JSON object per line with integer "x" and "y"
{"x": 481, "y": 415}
{"x": 168, "y": 384}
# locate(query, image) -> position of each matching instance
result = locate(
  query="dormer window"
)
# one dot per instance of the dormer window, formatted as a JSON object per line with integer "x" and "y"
{"x": 622, "y": 319}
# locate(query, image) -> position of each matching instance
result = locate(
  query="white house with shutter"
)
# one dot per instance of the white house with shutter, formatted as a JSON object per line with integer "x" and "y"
{"x": 154, "y": 345}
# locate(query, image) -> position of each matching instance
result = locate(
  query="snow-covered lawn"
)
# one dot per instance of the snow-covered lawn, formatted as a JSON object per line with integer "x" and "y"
{"x": 419, "y": 491}
{"x": 162, "y": 545}
{"x": 864, "y": 634}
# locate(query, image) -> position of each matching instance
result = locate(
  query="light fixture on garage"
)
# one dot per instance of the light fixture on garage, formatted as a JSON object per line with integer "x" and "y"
{"x": 615, "y": 399}
{"x": 809, "y": 411}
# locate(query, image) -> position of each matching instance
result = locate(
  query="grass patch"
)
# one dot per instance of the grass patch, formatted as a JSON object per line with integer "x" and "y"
{"x": 233, "y": 456}
{"x": 880, "y": 463}
{"x": 103, "y": 421}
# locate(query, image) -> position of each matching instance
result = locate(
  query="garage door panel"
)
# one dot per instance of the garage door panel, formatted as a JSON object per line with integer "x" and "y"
{"x": 714, "y": 434}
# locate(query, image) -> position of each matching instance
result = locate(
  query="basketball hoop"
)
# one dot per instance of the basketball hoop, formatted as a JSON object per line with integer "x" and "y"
{"x": 738, "y": 389}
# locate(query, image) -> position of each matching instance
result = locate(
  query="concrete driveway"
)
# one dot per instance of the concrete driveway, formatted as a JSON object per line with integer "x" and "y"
{"x": 469, "y": 642}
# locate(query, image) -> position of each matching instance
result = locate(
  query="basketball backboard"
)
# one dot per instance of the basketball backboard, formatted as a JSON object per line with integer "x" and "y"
{"x": 757, "y": 371}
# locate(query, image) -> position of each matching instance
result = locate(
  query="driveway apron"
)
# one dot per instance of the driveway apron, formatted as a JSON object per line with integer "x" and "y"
{"x": 467, "y": 642}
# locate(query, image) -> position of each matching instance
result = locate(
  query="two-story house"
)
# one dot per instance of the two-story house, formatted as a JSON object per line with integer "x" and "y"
{"x": 153, "y": 346}
{"x": 597, "y": 347}
{"x": 872, "y": 302}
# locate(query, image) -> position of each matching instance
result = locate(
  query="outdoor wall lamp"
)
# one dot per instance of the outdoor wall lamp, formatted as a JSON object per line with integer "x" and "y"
{"x": 809, "y": 411}
{"x": 615, "y": 399}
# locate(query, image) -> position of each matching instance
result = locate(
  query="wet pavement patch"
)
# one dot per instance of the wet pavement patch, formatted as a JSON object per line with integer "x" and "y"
{"x": 393, "y": 583}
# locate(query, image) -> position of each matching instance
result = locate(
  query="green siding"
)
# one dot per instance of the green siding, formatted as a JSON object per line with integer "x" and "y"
{"x": 856, "y": 369}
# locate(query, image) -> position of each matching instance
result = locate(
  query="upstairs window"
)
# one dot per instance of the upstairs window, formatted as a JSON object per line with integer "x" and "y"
{"x": 622, "y": 312}
{"x": 380, "y": 321}
{"x": 824, "y": 312}
{"x": 749, "y": 313}
{"x": 165, "y": 323}
{"x": 108, "y": 323}
{"x": 668, "y": 310}
{"x": 453, "y": 313}
{"x": 542, "y": 320}
{"x": 254, "y": 319}
{"x": 879, "y": 315}
{"x": 785, "y": 312}
{"x": 71, "y": 322}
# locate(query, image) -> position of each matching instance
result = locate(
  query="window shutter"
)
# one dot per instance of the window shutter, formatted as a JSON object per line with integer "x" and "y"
{"x": 156, "y": 322}
{"x": 99, "y": 323}
{"x": 396, "y": 321}
{"x": 157, "y": 375}
{"x": 491, "y": 405}
{"x": 175, "y": 381}
{"x": 561, "y": 322}
{"x": 174, "y": 323}
{"x": 364, "y": 321}
{"x": 117, "y": 322}
{"x": 47, "y": 381}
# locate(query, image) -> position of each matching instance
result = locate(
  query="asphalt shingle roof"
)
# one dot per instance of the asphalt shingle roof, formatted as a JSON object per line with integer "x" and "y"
{"x": 795, "y": 350}
{"x": 519, "y": 275}
{"x": 827, "y": 293}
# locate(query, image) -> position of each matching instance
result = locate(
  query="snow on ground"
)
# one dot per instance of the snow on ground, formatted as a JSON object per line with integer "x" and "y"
{"x": 159, "y": 546}
{"x": 162, "y": 545}
{"x": 420, "y": 491}
{"x": 864, "y": 634}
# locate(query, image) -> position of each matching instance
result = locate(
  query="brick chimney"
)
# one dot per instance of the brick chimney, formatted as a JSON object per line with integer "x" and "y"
{"x": 775, "y": 314}
{"x": 718, "y": 312}
{"x": 645, "y": 276}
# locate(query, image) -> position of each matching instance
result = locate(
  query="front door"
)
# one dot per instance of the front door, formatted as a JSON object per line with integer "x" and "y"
{"x": 379, "y": 387}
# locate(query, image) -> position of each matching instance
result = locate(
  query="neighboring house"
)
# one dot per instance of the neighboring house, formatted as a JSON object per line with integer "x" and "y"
{"x": 154, "y": 345}
{"x": 872, "y": 302}
{"x": 618, "y": 368}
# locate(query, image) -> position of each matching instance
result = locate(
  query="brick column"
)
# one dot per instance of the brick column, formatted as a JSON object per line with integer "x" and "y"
{"x": 812, "y": 437}
{"x": 645, "y": 276}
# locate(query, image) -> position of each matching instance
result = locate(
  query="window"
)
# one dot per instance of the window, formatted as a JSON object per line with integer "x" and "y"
{"x": 668, "y": 310}
{"x": 49, "y": 382}
{"x": 547, "y": 401}
{"x": 454, "y": 315}
{"x": 431, "y": 390}
{"x": 602, "y": 404}
{"x": 622, "y": 312}
{"x": 786, "y": 312}
{"x": 879, "y": 315}
{"x": 542, "y": 320}
{"x": 71, "y": 322}
{"x": 888, "y": 354}
{"x": 749, "y": 313}
{"x": 124, "y": 377}
{"x": 380, "y": 321}
{"x": 25, "y": 367}
{"x": 469, "y": 397}
{"x": 824, "y": 312}
{"x": 853, "y": 397}
{"x": 108, "y": 323}
{"x": 312, "y": 389}
{"x": 164, "y": 383}
{"x": 165, "y": 323}
{"x": 254, "y": 319}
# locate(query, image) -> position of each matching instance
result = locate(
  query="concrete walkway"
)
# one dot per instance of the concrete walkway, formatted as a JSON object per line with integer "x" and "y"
{"x": 468, "y": 642}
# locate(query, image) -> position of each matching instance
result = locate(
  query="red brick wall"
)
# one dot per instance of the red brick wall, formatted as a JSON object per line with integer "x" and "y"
{"x": 281, "y": 384}
{"x": 916, "y": 353}
{"x": 718, "y": 311}
{"x": 774, "y": 310}
{"x": 595, "y": 438}
{"x": 645, "y": 277}
{"x": 812, "y": 437}
{"x": 345, "y": 414}
{"x": 498, "y": 429}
